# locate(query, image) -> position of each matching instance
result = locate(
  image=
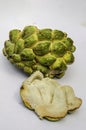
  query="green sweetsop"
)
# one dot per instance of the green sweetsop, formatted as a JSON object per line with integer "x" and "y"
{"x": 46, "y": 50}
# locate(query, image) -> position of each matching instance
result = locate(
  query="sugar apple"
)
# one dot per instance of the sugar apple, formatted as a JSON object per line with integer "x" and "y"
{"x": 46, "y": 50}
{"x": 48, "y": 98}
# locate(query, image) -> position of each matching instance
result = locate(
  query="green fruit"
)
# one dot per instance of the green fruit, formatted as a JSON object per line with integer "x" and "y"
{"x": 46, "y": 50}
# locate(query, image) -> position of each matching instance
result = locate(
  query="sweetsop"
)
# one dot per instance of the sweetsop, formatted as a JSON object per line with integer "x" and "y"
{"x": 46, "y": 50}
{"x": 48, "y": 98}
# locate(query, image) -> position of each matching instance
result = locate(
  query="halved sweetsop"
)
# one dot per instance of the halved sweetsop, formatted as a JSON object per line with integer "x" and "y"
{"x": 47, "y": 97}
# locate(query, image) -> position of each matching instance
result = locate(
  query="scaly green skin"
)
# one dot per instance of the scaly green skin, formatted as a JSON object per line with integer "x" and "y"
{"x": 47, "y": 50}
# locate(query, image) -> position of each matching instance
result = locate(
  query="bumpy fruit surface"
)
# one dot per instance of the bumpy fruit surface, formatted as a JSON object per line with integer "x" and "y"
{"x": 46, "y": 50}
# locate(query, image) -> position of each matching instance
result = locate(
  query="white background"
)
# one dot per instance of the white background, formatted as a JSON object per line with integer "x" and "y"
{"x": 66, "y": 15}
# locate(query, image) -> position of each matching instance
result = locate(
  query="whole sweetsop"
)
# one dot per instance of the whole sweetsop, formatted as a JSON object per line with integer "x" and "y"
{"x": 46, "y": 50}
